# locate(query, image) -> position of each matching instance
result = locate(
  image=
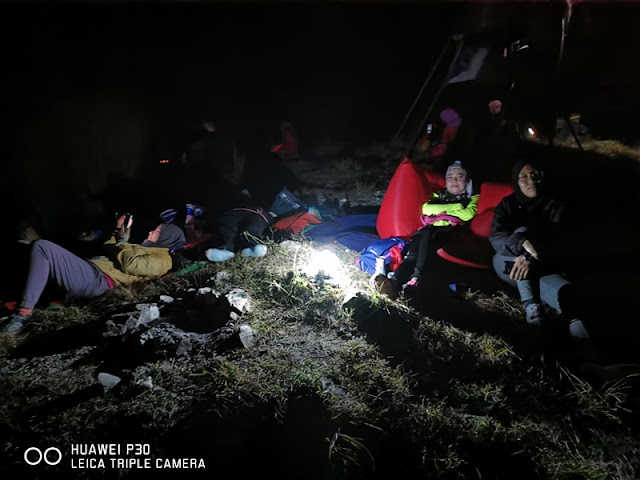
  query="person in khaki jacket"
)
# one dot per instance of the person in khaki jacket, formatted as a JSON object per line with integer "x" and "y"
{"x": 123, "y": 264}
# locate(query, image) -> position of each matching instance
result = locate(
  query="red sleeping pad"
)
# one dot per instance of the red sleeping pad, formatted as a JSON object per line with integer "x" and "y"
{"x": 410, "y": 187}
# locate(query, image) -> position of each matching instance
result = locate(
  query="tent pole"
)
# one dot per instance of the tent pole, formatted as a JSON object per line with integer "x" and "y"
{"x": 426, "y": 82}
{"x": 433, "y": 102}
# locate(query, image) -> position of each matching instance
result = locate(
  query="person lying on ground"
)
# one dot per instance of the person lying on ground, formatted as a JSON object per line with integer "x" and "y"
{"x": 525, "y": 233}
{"x": 123, "y": 264}
{"x": 240, "y": 229}
{"x": 446, "y": 209}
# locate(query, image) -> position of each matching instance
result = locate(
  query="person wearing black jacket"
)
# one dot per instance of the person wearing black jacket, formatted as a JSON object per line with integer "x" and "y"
{"x": 525, "y": 233}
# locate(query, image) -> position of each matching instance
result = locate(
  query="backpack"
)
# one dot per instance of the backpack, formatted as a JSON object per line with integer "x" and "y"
{"x": 388, "y": 248}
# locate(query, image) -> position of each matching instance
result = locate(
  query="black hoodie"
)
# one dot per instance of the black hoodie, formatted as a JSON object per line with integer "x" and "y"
{"x": 518, "y": 218}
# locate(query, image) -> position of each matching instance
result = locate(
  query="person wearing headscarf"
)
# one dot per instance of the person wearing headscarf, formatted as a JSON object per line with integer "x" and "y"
{"x": 525, "y": 234}
{"x": 451, "y": 206}
{"x": 123, "y": 264}
{"x": 165, "y": 235}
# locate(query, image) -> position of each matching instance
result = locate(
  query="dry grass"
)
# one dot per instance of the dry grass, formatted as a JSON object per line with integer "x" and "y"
{"x": 446, "y": 405}
{"x": 611, "y": 148}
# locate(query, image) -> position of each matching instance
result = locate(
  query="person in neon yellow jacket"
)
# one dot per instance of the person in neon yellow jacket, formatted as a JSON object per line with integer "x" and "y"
{"x": 447, "y": 208}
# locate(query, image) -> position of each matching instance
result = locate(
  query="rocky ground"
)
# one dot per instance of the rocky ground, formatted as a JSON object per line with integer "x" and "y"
{"x": 259, "y": 366}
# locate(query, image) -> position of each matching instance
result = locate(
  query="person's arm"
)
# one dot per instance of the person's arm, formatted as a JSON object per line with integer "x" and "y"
{"x": 122, "y": 232}
{"x": 453, "y": 209}
{"x": 144, "y": 261}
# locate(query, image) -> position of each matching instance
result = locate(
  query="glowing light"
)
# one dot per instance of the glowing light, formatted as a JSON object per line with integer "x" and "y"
{"x": 164, "y": 161}
{"x": 328, "y": 265}
{"x": 531, "y": 131}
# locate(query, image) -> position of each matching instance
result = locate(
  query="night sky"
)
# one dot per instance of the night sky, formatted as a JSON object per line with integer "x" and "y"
{"x": 89, "y": 91}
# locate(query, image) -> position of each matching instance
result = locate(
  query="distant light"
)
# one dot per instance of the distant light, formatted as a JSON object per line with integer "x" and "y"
{"x": 164, "y": 161}
{"x": 531, "y": 131}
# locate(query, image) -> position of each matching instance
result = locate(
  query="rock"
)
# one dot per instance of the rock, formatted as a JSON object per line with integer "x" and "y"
{"x": 146, "y": 382}
{"x": 149, "y": 313}
{"x": 191, "y": 289}
{"x": 203, "y": 290}
{"x": 108, "y": 381}
{"x": 166, "y": 299}
{"x": 247, "y": 335}
{"x": 239, "y": 299}
{"x": 184, "y": 347}
{"x": 113, "y": 330}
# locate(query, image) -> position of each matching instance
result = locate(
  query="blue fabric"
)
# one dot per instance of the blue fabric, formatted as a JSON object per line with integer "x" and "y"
{"x": 379, "y": 248}
{"x": 356, "y": 232}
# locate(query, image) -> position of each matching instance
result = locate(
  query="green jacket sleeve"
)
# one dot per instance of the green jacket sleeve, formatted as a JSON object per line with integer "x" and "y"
{"x": 454, "y": 209}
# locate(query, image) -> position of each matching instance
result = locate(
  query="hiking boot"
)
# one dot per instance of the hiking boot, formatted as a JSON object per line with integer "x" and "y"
{"x": 534, "y": 314}
{"x": 386, "y": 286}
{"x": 578, "y": 330}
{"x": 14, "y": 324}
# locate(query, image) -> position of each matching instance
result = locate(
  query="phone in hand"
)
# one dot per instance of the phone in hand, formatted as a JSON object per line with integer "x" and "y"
{"x": 508, "y": 266}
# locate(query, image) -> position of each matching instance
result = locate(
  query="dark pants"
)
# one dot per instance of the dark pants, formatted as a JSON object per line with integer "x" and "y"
{"x": 236, "y": 229}
{"x": 422, "y": 245}
{"x": 81, "y": 279}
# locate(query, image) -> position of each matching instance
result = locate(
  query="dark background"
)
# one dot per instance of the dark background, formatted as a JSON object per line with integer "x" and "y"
{"x": 95, "y": 94}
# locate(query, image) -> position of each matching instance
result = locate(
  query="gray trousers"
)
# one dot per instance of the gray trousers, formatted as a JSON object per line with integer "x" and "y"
{"x": 81, "y": 279}
{"x": 544, "y": 287}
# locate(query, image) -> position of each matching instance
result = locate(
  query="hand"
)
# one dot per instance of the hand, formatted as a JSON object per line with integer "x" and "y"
{"x": 120, "y": 221}
{"x": 123, "y": 231}
{"x": 520, "y": 269}
{"x": 528, "y": 246}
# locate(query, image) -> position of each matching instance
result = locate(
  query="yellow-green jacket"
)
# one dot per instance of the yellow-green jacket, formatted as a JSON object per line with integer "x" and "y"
{"x": 127, "y": 263}
{"x": 465, "y": 213}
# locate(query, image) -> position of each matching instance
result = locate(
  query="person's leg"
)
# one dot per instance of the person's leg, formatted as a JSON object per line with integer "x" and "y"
{"x": 404, "y": 271}
{"x": 430, "y": 240}
{"x": 228, "y": 228}
{"x": 550, "y": 287}
{"x": 78, "y": 277}
{"x": 530, "y": 298}
{"x": 527, "y": 292}
{"x": 253, "y": 228}
{"x": 499, "y": 266}
{"x": 561, "y": 295}
{"x": 423, "y": 251}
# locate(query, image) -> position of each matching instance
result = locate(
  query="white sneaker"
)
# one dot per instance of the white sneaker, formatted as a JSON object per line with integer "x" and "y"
{"x": 534, "y": 314}
{"x": 218, "y": 255}
{"x": 256, "y": 251}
